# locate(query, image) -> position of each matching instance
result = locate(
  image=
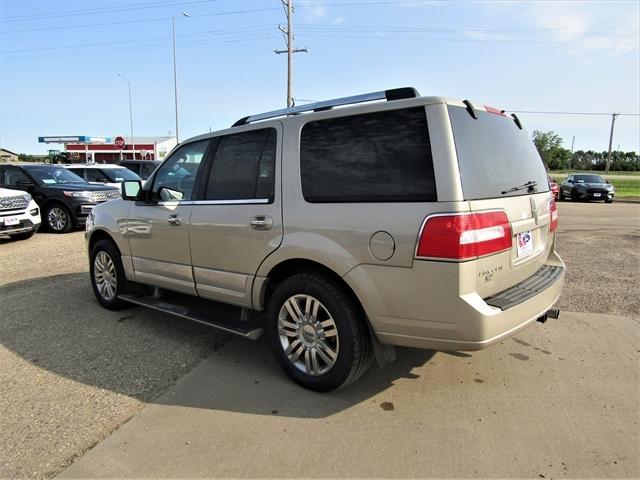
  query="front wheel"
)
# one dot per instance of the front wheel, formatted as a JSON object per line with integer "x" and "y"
{"x": 107, "y": 275}
{"x": 58, "y": 218}
{"x": 317, "y": 333}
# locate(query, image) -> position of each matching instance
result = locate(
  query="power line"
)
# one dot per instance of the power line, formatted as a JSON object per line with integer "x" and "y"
{"x": 147, "y": 20}
{"x": 99, "y": 10}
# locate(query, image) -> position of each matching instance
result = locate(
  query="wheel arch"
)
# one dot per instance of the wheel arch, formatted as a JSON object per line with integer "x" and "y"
{"x": 100, "y": 234}
{"x": 291, "y": 266}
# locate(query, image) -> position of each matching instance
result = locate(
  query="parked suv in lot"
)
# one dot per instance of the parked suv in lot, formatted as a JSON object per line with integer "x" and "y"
{"x": 19, "y": 214}
{"x": 64, "y": 198}
{"x": 112, "y": 175}
{"x": 415, "y": 221}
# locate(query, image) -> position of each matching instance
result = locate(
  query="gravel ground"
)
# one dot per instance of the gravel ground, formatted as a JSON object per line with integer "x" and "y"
{"x": 599, "y": 245}
{"x": 72, "y": 372}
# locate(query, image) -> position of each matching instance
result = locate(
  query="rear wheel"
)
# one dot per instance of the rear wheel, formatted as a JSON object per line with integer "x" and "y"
{"x": 58, "y": 218}
{"x": 317, "y": 333}
{"x": 107, "y": 275}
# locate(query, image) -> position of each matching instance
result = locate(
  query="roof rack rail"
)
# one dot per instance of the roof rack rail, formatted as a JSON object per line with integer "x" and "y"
{"x": 389, "y": 95}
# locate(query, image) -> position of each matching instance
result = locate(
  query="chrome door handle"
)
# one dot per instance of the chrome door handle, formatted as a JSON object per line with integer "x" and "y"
{"x": 262, "y": 223}
{"x": 174, "y": 220}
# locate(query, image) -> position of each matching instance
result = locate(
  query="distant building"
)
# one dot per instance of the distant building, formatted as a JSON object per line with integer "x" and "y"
{"x": 146, "y": 148}
{"x": 8, "y": 155}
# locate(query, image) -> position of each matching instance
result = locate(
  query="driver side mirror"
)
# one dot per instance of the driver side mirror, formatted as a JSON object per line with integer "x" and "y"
{"x": 607, "y": 182}
{"x": 569, "y": 181}
{"x": 131, "y": 189}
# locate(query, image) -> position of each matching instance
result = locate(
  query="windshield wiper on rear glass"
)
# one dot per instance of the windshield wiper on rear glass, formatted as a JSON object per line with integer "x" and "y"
{"x": 530, "y": 186}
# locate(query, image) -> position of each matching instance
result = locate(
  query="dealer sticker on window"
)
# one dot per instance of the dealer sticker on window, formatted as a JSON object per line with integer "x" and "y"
{"x": 525, "y": 243}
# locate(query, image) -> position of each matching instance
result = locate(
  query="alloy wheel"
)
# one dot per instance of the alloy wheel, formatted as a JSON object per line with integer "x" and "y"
{"x": 104, "y": 274}
{"x": 308, "y": 334}
{"x": 57, "y": 219}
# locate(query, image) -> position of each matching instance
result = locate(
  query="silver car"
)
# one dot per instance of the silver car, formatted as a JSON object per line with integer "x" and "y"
{"x": 395, "y": 220}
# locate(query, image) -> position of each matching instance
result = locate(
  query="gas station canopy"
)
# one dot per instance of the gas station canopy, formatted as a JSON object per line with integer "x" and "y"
{"x": 74, "y": 139}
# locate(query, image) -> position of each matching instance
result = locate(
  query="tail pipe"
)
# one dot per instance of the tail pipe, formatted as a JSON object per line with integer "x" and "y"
{"x": 551, "y": 313}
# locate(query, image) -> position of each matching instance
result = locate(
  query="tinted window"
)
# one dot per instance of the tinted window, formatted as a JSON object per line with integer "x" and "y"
{"x": 243, "y": 166}
{"x": 145, "y": 171}
{"x": 376, "y": 157}
{"x": 495, "y": 156}
{"x": 95, "y": 175}
{"x": 14, "y": 176}
{"x": 178, "y": 173}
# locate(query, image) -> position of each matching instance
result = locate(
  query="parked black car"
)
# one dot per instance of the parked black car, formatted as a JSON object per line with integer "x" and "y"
{"x": 586, "y": 186}
{"x": 144, "y": 168}
{"x": 64, "y": 198}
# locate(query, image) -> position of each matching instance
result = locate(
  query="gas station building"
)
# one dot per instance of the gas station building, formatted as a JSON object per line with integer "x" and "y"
{"x": 89, "y": 149}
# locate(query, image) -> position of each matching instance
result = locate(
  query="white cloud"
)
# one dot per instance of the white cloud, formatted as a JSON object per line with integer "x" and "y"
{"x": 337, "y": 20}
{"x": 610, "y": 28}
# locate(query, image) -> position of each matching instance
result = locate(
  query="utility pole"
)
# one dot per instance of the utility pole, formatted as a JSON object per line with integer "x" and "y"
{"x": 613, "y": 121}
{"x": 573, "y": 140}
{"x": 289, "y": 38}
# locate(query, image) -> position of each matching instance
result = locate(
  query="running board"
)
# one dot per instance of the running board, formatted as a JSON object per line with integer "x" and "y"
{"x": 244, "y": 328}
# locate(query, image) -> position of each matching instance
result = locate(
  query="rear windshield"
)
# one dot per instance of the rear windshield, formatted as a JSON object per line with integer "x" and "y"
{"x": 495, "y": 157}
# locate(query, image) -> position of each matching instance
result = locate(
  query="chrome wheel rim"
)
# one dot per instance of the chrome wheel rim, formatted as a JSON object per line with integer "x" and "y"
{"x": 308, "y": 335}
{"x": 57, "y": 218}
{"x": 104, "y": 274}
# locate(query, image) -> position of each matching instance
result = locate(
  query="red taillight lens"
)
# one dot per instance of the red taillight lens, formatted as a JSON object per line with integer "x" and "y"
{"x": 553, "y": 211}
{"x": 466, "y": 236}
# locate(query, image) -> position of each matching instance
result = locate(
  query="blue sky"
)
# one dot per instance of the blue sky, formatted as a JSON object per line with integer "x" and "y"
{"x": 59, "y": 60}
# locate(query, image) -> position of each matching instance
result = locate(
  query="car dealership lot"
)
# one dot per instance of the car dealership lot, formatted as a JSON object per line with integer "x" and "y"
{"x": 558, "y": 399}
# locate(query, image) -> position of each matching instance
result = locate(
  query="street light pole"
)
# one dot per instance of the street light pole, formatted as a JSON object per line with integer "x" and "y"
{"x": 175, "y": 74}
{"x": 133, "y": 142}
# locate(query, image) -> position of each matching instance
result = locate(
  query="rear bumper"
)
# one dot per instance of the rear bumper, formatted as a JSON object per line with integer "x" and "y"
{"x": 432, "y": 316}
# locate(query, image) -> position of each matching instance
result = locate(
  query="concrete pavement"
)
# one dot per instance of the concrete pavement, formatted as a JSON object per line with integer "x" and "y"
{"x": 558, "y": 400}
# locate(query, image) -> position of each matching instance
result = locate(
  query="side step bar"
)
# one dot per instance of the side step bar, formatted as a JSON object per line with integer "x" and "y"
{"x": 248, "y": 329}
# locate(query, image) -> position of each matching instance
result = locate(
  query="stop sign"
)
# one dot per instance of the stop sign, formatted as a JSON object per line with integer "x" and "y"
{"x": 119, "y": 143}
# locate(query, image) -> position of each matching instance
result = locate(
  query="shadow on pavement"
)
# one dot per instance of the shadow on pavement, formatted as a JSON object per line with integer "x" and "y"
{"x": 56, "y": 324}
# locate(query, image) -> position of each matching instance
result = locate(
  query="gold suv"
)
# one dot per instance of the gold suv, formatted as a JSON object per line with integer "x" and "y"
{"x": 342, "y": 229}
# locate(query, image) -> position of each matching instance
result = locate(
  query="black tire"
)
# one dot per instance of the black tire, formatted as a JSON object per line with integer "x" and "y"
{"x": 57, "y": 218}
{"x": 609, "y": 200}
{"x": 354, "y": 349}
{"x": 97, "y": 272}
{"x": 22, "y": 236}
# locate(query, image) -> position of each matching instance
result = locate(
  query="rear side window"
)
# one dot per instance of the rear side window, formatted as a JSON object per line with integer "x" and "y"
{"x": 375, "y": 157}
{"x": 495, "y": 157}
{"x": 243, "y": 166}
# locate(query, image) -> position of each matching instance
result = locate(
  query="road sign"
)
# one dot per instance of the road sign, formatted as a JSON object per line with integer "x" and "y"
{"x": 119, "y": 143}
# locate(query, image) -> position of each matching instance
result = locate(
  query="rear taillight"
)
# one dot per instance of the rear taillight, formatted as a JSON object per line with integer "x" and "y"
{"x": 465, "y": 236}
{"x": 553, "y": 211}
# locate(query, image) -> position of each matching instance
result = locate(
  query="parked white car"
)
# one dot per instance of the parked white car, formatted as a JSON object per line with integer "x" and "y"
{"x": 107, "y": 174}
{"x": 19, "y": 214}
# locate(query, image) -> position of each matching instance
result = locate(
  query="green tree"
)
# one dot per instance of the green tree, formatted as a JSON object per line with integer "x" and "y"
{"x": 549, "y": 146}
